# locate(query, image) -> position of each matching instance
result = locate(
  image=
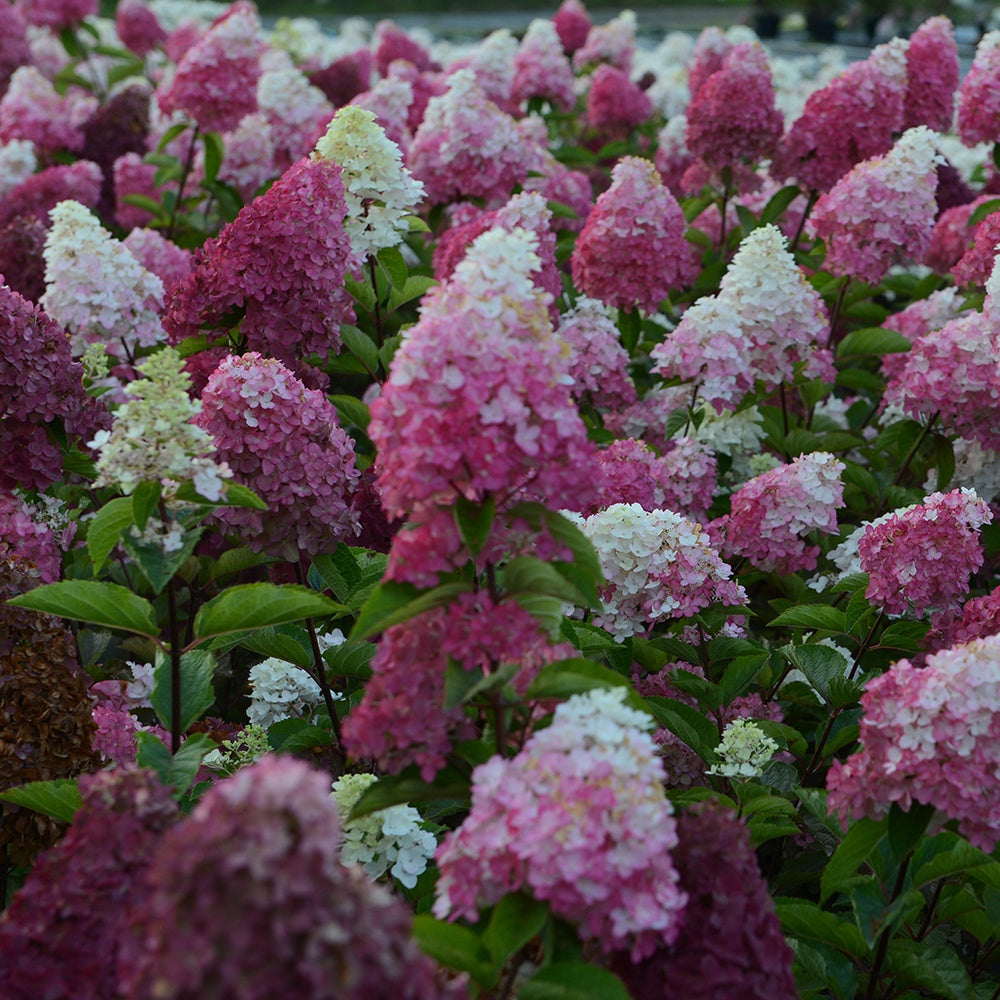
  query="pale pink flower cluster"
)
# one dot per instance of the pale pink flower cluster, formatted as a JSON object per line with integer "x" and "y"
{"x": 979, "y": 94}
{"x": 772, "y": 511}
{"x": 612, "y": 43}
{"x": 492, "y": 63}
{"x": 921, "y": 558}
{"x": 33, "y": 109}
{"x": 579, "y": 818}
{"x": 216, "y": 80}
{"x": 466, "y": 147}
{"x": 930, "y": 735}
{"x": 658, "y": 566}
{"x": 541, "y": 69}
{"x": 632, "y": 252}
{"x": 932, "y": 75}
{"x": 296, "y": 112}
{"x": 24, "y": 533}
{"x": 709, "y": 52}
{"x": 883, "y": 211}
{"x": 919, "y": 318}
{"x": 762, "y": 328}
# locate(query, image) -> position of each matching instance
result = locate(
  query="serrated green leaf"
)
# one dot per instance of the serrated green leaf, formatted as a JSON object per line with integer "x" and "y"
{"x": 775, "y": 208}
{"x": 175, "y": 770}
{"x": 416, "y": 285}
{"x": 286, "y": 642}
{"x": 857, "y": 615}
{"x": 391, "y": 603}
{"x": 819, "y": 663}
{"x": 361, "y": 346}
{"x": 475, "y": 521}
{"x": 106, "y": 528}
{"x": 352, "y": 411}
{"x": 939, "y": 970}
{"x": 197, "y": 694}
{"x": 350, "y": 659}
{"x": 573, "y": 981}
{"x": 906, "y": 827}
{"x": 526, "y": 574}
{"x": 157, "y": 565}
{"x": 862, "y": 838}
{"x": 811, "y": 616}
{"x": 144, "y": 500}
{"x": 294, "y": 739}
{"x": 698, "y": 732}
{"x": 256, "y": 605}
{"x": 340, "y": 571}
{"x": 455, "y": 947}
{"x": 214, "y": 154}
{"x": 391, "y": 261}
{"x": 803, "y": 919}
{"x": 960, "y": 856}
{"x": 59, "y": 798}
{"x": 409, "y": 787}
{"x": 234, "y": 495}
{"x": 515, "y": 920}
{"x": 565, "y": 678}
{"x": 875, "y": 340}
{"x": 740, "y": 673}
{"x": 103, "y": 604}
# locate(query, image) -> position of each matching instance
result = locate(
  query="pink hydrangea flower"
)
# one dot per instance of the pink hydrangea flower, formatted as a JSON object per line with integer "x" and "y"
{"x": 390, "y": 100}
{"x": 57, "y": 14}
{"x": 138, "y": 27}
{"x": 953, "y": 235}
{"x": 920, "y": 558}
{"x": 709, "y": 53}
{"x": 977, "y": 263}
{"x": 632, "y": 252}
{"x": 672, "y": 157}
{"x": 283, "y": 260}
{"x": 296, "y": 112}
{"x": 882, "y": 212}
{"x": 979, "y": 95}
{"x": 284, "y": 442}
{"x": 466, "y": 147}
{"x": 541, "y": 69}
{"x": 216, "y": 80}
{"x": 158, "y": 255}
{"x": 133, "y": 176}
{"x": 852, "y": 118}
{"x": 733, "y": 118}
{"x": 772, "y": 512}
{"x": 764, "y": 326}
{"x": 572, "y": 24}
{"x": 14, "y": 49}
{"x": 611, "y": 44}
{"x": 345, "y": 77}
{"x": 38, "y": 194}
{"x": 978, "y": 618}
{"x": 616, "y": 105}
{"x": 391, "y": 42}
{"x": 580, "y": 819}
{"x": 930, "y": 735}
{"x": 920, "y": 317}
{"x": 24, "y": 533}
{"x": 932, "y": 75}
{"x": 33, "y": 109}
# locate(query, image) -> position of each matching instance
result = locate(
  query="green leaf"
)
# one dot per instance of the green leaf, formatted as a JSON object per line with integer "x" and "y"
{"x": 106, "y": 528}
{"x": 573, "y": 981}
{"x": 286, "y": 642}
{"x": 851, "y": 853}
{"x": 361, "y": 346}
{"x": 526, "y": 574}
{"x": 197, "y": 693}
{"x": 350, "y": 659}
{"x": 157, "y": 565}
{"x": 565, "y": 678}
{"x": 740, "y": 673}
{"x": 515, "y": 920}
{"x": 296, "y": 735}
{"x": 214, "y": 154}
{"x": 256, "y": 605}
{"x": 906, "y": 828}
{"x": 872, "y": 340}
{"x": 697, "y": 731}
{"x": 959, "y": 856}
{"x": 144, "y": 501}
{"x": 177, "y": 771}
{"x": 416, "y": 285}
{"x": 455, "y": 947}
{"x": 103, "y": 604}
{"x": 811, "y": 616}
{"x": 352, "y": 411}
{"x": 775, "y": 208}
{"x": 820, "y": 664}
{"x": 391, "y": 603}
{"x": 409, "y": 787}
{"x": 59, "y": 798}
{"x": 475, "y": 521}
{"x": 339, "y": 571}
{"x": 234, "y": 495}
{"x": 925, "y": 968}
{"x": 391, "y": 261}
{"x": 172, "y": 133}
{"x": 802, "y": 919}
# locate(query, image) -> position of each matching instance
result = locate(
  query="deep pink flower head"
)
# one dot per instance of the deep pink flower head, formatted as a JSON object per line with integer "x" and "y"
{"x": 39, "y": 384}
{"x": 14, "y": 49}
{"x": 953, "y": 372}
{"x": 772, "y": 512}
{"x": 392, "y": 42}
{"x": 466, "y": 147}
{"x": 920, "y": 558}
{"x": 169, "y": 262}
{"x": 38, "y": 194}
{"x": 246, "y": 899}
{"x": 345, "y": 77}
{"x": 33, "y": 109}
{"x": 920, "y": 317}
{"x": 616, "y": 105}
{"x": 283, "y": 260}
{"x": 138, "y": 27}
{"x": 882, "y": 212}
{"x": 709, "y": 53}
{"x": 572, "y": 24}
{"x": 932, "y": 74}
{"x": 730, "y": 943}
{"x": 930, "y": 735}
{"x": 63, "y": 932}
{"x": 477, "y": 400}
{"x": 632, "y": 252}
{"x": 953, "y": 235}
{"x": 56, "y": 14}
{"x": 22, "y": 241}
{"x": 976, "y": 264}
{"x": 733, "y": 116}
{"x": 764, "y": 326}
{"x": 541, "y": 68}
{"x": 979, "y": 94}
{"x": 133, "y": 176}
{"x": 977, "y": 619}
{"x": 284, "y": 442}
{"x": 851, "y": 119}
{"x": 216, "y": 80}
{"x": 579, "y": 818}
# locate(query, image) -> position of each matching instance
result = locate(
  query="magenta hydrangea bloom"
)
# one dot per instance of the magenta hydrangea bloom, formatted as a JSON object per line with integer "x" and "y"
{"x": 772, "y": 512}
{"x": 882, "y": 212}
{"x": 921, "y": 558}
{"x": 932, "y": 75}
{"x": 733, "y": 118}
{"x": 632, "y": 252}
{"x": 33, "y": 109}
{"x": 247, "y": 899}
{"x": 57, "y": 14}
{"x": 38, "y": 194}
{"x": 63, "y": 932}
{"x": 541, "y": 68}
{"x": 709, "y": 53}
{"x": 14, "y": 49}
{"x": 852, "y": 118}
{"x": 572, "y": 24}
{"x": 580, "y": 819}
{"x": 611, "y": 44}
{"x": 953, "y": 235}
{"x": 730, "y": 943}
{"x": 138, "y": 26}
{"x": 764, "y": 327}
{"x": 978, "y": 619}
{"x": 160, "y": 256}
{"x": 930, "y": 735}
{"x": 616, "y": 105}
{"x": 920, "y": 317}
{"x": 216, "y": 80}
{"x": 22, "y": 241}
{"x": 284, "y": 442}
{"x": 979, "y": 95}
{"x": 391, "y": 42}
{"x": 283, "y": 260}
{"x": 976, "y": 264}
{"x": 39, "y": 383}
{"x": 133, "y": 176}
{"x": 345, "y": 77}
{"x": 24, "y": 533}
{"x": 466, "y": 147}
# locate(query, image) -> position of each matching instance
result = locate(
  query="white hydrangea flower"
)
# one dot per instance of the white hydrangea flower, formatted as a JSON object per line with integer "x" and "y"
{"x": 280, "y": 690}
{"x": 745, "y": 749}
{"x": 95, "y": 287}
{"x": 379, "y": 190}
{"x": 388, "y": 837}
{"x": 140, "y": 688}
{"x": 245, "y": 748}
{"x": 152, "y": 437}
{"x": 737, "y": 434}
{"x": 17, "y": 163}
{"x": 293, "y": 107}
{"x": 492, "y": 61}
